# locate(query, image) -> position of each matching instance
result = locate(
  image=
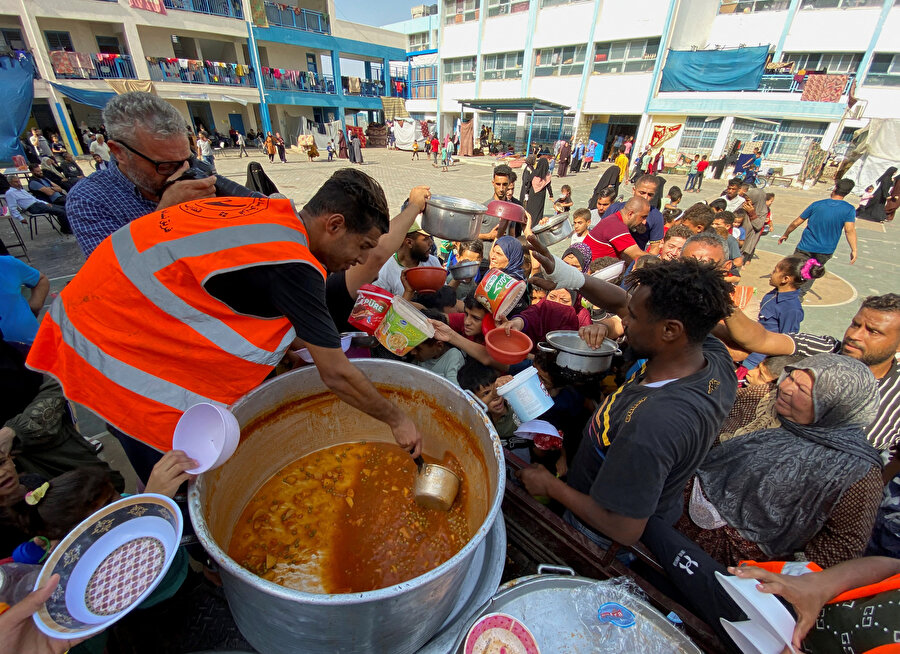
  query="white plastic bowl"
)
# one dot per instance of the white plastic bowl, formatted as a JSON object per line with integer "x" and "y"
{"x": 207, "y": 433}
{"x": 345, "y": 345}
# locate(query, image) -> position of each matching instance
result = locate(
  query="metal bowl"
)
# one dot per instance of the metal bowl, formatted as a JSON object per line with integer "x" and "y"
{"x": 555, "y": 230}
{"x": 464, "y": 270}
{"x": 578, "y": 356}
{"x": 360, "y": 339}
{"x": 454, "y": 219}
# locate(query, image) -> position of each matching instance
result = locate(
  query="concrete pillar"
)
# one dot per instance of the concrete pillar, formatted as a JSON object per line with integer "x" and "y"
{"x": 830, "y": 136}
{"x": 136, "y": 49}
{"x": 722, "y": 138}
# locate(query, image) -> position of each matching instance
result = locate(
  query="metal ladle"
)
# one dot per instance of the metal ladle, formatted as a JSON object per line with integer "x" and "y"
{"x": 436, "y": 485}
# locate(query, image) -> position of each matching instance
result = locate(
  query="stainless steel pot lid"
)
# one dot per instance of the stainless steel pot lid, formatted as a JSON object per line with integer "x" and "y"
{"x": 456, "y": 204}
{"x": 569, "y": 341}
{"x": 553, "y": 223}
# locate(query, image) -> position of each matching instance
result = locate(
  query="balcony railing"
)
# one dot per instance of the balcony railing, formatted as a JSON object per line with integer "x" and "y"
{"x": 227, "y": 8}
{"x": 372, "y": 88}
{"x": 277, "y": 79}
{"x": 786, "y": 83}
{"x": 199, "y": 72}
{"x": 84, "y": 65}
{"x": 297, "y": 18}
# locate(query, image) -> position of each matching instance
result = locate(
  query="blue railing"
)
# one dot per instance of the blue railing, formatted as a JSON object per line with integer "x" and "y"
{"x": 227, "y": 8}
{"x": 297, "y": 80}
{"x": 371, "y": 88}
{"x": 198, "y": 72}
{"x": 297, "y": 18}
{"x": 83, "y": 65}
{"x": 786, "y": 83}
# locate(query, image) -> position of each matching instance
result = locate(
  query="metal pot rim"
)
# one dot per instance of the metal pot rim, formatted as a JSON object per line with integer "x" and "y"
{"x": 552, "y": 224}
{"x": 451, "y": 203}
{"x": 232, "y": 567}
{"x": 608, "y": 348}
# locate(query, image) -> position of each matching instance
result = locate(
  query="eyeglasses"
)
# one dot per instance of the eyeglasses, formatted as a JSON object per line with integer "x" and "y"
{"x": 162, "y": 167}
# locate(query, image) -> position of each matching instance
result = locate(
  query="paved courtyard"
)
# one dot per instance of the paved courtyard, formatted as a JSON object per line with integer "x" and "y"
{"x": 875, "y": 271}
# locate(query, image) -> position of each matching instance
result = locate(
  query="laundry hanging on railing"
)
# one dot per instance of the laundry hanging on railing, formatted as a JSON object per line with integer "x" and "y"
{"x": 738, "y": 69}
{"x": 824, "y": 88}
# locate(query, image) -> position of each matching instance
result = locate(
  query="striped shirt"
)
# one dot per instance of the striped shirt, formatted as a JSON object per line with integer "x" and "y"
{"x": 884, "y": 432}
{"x": 102, "y": 203}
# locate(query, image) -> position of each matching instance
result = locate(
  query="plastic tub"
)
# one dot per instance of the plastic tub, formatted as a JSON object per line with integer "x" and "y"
{"x": 403, "y": 328}
{"x": 526, "y": 395}
{"x": 498, "y": 292}
{"x": 372, "y": 303}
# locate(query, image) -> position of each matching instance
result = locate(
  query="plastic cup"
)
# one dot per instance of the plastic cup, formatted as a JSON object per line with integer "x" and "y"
{"x": 526, "y": 395}
{"x": 403, "y": 328}
{"x": 207, "y": 433}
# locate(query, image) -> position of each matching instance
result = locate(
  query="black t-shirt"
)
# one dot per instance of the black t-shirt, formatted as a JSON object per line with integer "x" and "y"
{"x": 340, "y": 302}
{"x": 294, "y": 290}
{"x": 643, "y": 444}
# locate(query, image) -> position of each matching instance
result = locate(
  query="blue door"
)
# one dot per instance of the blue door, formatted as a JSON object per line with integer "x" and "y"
{"x": 237, "y": 122}
{"x": 598, "y": 135}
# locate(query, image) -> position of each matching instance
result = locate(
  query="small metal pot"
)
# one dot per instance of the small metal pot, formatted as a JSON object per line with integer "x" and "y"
{"x": 361, "y": 339}
{"x": 556, "y": 230}
{"x": 577, "y": 356}
{"x": 454, "y": 219}
{"x": 436, "y": 486}
{"x": 464, "y": 270}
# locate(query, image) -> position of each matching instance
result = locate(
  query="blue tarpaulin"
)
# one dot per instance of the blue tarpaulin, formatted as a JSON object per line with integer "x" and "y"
{"x": 17, "y": 82}
{"x": 714, "y": 70}
{"x": 90, "y": 98}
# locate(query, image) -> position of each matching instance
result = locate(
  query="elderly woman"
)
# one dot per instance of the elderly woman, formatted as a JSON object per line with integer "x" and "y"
{"x": 810, "y": 486}
{"x": 509, "y": 256}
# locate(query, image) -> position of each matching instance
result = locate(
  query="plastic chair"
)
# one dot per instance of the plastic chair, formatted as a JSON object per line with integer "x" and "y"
{"x": 33, "y": 220}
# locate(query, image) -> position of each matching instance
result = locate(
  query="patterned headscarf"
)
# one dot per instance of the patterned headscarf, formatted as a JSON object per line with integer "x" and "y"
{"x": 582, "y": 252}
{"x": 777, "y": 487}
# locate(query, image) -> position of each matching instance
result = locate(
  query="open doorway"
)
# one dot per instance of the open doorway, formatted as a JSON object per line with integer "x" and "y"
{"x": 201, "y": 117}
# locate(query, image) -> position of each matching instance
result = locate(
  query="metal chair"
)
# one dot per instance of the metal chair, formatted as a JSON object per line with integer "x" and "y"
{"x": 4, "y": 210}
{"x": 33, "y": 221}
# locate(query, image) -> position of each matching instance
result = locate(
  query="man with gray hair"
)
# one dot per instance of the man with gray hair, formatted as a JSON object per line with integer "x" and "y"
{"x": 709, "y": 247}
{"x": 150, "y": 148}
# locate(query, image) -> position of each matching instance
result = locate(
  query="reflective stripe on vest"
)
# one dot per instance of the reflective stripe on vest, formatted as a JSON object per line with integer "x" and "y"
{"x": 141, "y": 267}
{"x": 119, "y": 372}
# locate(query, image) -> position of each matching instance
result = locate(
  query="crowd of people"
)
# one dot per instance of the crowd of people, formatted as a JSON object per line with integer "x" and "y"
{"x": 713, "y": 439}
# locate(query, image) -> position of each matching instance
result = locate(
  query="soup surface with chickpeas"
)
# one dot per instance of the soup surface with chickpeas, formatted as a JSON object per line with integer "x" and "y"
{"x": 344, "y": 520}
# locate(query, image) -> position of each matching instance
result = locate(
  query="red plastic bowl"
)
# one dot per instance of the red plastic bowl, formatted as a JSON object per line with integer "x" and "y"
{"x": 506, "y": 211}
{"x": 426, "y": 279}
{"x": 507, "y": 349}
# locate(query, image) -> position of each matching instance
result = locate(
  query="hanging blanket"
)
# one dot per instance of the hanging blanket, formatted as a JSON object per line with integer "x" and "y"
{"x": 824, "y": 88}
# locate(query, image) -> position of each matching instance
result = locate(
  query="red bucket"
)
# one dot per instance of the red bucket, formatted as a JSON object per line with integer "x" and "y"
{"x": 372, "y": 303}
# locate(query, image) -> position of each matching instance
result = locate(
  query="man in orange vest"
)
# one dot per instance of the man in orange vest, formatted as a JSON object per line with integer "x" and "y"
{"x": 198, "y": 302}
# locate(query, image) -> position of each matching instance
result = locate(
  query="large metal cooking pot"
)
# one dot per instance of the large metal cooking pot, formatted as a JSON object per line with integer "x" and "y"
{"x": 578, "y": 356}
{"x": 454, "y": 219}
{"x": 555, "y": 230}
{"x": 295, "y": 414}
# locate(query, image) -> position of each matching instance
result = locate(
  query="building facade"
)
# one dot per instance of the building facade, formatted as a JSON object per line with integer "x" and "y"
{"x": 604, "y": 59}
{"x": 207, "y": 58}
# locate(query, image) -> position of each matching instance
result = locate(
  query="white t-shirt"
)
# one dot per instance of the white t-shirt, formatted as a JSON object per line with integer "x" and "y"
{"x": 389, "y": 275}
{"x": 102, "y": 150}
{"x": 205, "y": 147}
{"x": 732, "y": 205}
{"x": 578, "y": 239}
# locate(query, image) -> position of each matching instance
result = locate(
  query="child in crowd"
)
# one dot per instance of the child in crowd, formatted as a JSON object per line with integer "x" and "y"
{"x": 444, "y": 300}
{"x": 867, "y": 195}
{"x": 581, "y": 222}
{"x": 780, "y": 310}
{"x": 564, "y": 201}
{"x": 770, "y": 199}
{"x": 330, "y": 149}
{"x": 470, "y": 322}
{"x": 467, "y": 251}
{"x": 723, "y": 223}
{"x": 670, "y": 217}
{"x": 692, "y": 174}
{"x": 438, "y": 356}
{"x": 415, "y": 150}
{"x": 675, "y": 196}
{"x": 737, "y": 229}
{"x": 701, "y": 169}
{"x": 445, "y": 165}
{"x": 718, "y": 205}
{"x": 482, "y": 381}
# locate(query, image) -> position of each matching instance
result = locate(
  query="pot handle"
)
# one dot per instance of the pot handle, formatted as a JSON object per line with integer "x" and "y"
{"x": 544, "y": 346}
{"x": 477, "y": 400}
{"x": 547, "y": 569}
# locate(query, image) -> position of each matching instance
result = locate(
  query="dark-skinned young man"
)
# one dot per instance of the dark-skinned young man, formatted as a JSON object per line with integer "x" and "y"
{"x": 648, "y": 437}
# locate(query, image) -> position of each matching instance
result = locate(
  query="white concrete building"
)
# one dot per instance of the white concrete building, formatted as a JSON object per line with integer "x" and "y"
{"x": 605, "y": 60}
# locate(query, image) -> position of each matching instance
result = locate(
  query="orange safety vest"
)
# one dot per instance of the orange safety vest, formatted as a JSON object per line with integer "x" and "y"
{"x": 137, "y": 339}
{"x": 802, "y": 567}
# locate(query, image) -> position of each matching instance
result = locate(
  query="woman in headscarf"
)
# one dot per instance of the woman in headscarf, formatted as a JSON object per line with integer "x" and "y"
{"x": 342, "y": 145}
{"x": 565, "y": 157}
{"x": 527, "y": 174}
{"x": 609, "y": 178}
{"x": 875, "y": 209}
{"x": 579, "y": 256}
{"x": 270, "y": 147}
{"x": 356, "y": 147}
{"x": 54, "y": 174}
{"x": 279, "y": 145}
{"x": 537, "y": 190}
{"x": 812, "y": 485}
{"x": 893, "y": 201}
{"x": 507, "y": 255}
